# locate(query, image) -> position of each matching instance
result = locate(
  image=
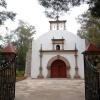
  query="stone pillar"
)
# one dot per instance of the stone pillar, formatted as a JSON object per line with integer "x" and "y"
{"x": 76, "y": 76}
{"x": 68, "y": 73}
{"x": 28, "y": 61}
{"x": 40, "y": 68}
{"x": 48, "y": 74}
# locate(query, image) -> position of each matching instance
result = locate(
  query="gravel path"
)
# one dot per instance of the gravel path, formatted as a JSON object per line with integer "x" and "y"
{"x": 50, "y": 89}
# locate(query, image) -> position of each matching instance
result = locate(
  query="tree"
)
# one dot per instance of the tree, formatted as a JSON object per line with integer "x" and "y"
{"x": 90, "y": 27}
{"x": 4, "y": 15}
{"x": 94, "y": 7}
{"x": 24, "y": 33}
{"x": 54, "y": 8}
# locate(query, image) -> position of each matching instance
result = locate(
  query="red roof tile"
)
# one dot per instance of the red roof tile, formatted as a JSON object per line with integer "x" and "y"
{"x": 8, "y": 49}
{"x": 92, "y": 48}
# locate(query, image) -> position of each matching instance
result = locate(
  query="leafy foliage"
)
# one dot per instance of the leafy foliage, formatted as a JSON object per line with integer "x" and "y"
{"x": 90, "y": 27}
{"x": 55, "y": 8}
{"x": 94, "y": 7}
{"x": 19, "y": 73}
{"x": 4, "y": 15}
{"x": 3, "y": 3}
{"x": 21, "y": 38}
{"x": 24, "y": 34}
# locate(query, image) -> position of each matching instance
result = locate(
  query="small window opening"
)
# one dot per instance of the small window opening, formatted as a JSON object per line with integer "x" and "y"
{"x": 57, "y": 47}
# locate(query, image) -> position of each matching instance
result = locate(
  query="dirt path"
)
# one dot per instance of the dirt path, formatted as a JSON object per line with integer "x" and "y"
{"x": 50, "y": 89}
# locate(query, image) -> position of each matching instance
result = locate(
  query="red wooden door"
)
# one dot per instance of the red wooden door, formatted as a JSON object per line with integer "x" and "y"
{"x": 58, "y": 69}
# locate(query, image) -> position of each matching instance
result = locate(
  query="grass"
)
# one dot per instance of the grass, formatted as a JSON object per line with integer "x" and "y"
{"x": 20, "y": 75}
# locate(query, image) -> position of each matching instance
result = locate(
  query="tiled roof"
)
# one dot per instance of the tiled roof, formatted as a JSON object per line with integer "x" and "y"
{"x": 8, "y": 49}
{"x": 92, "y": 48}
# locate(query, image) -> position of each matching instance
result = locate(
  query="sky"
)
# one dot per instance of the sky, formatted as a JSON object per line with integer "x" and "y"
{"x": 31, "y": 12}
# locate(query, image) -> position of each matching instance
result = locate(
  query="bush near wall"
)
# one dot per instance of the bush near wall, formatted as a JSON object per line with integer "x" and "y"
{"x": 19, "y": 75}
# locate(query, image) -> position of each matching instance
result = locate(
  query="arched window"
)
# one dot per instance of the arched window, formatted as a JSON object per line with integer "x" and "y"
{"x": 57, "y": 47}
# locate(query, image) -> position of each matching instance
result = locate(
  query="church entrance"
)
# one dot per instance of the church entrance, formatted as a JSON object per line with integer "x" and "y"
{"x": 58, "y": 69}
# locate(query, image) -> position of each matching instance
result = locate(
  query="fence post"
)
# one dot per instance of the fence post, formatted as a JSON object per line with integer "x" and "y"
{"x": 7, "y": 73}
{"x": 92, "y": 72}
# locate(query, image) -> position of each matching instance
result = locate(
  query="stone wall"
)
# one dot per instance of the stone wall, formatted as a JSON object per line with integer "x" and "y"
{"x": 28, "y": 62}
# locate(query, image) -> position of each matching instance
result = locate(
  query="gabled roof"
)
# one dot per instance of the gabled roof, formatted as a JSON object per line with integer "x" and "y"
{"x": 8, "y": 49}
{"x": 92, "y": 49}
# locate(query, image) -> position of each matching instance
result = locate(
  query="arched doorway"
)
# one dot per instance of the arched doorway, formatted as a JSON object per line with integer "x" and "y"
{"x": 58, "y": 69}
{"x": 58, "y": 60}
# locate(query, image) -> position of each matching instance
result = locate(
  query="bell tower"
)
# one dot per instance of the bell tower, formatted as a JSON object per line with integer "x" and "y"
{"x": 58, "y": 25}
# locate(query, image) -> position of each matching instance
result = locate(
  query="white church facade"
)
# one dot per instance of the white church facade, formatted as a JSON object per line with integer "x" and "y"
{"x": 57, "y": 54}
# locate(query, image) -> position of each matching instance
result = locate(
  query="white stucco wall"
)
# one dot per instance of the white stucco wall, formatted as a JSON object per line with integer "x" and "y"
{"x": 69, "y": 44}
